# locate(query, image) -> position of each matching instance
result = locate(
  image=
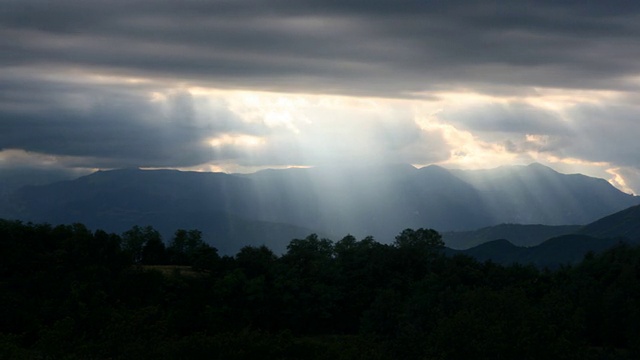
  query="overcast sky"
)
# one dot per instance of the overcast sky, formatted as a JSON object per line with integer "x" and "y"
{"x": 239, "y": 85}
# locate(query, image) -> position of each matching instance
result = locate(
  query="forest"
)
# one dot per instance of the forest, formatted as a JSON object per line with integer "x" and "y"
{"x": 67, "y": 292}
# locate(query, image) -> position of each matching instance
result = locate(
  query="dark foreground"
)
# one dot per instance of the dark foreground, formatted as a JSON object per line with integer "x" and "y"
{"x": 69, "y": 293}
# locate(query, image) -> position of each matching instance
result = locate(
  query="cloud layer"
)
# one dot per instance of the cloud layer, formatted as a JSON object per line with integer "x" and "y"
{"x": 253, "y": 83}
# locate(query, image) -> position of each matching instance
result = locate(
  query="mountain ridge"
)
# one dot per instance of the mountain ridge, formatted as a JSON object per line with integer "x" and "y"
{"x": 622, "y": 227}
{"x": 567, "y": 249}
{"x": 377, "y": 200}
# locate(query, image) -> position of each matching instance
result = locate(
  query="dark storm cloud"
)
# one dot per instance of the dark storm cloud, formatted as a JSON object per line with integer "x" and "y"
{"x": 106, "y": 126}
{"x": 404, "y": 48}
{"x": 378, "y": 47}
{"x": 606, "y": 133}
{"x": 18, "y": 168}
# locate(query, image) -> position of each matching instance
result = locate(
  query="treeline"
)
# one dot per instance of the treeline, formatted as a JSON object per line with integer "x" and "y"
{"x": 69, "y": 293}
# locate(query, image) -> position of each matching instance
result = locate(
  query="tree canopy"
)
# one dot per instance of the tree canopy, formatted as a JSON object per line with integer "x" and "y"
{"x": 68, "y": 292}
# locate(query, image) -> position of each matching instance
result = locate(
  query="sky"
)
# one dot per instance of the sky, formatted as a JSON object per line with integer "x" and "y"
{"x": 241, "y": 85}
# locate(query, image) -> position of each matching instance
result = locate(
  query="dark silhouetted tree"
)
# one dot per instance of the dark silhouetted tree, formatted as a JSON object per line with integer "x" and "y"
{"x": 416, "y": 251}
{"x": 188, "y": 248}
{"x": 423, "y": 240}
{"x": 139, "y": 241}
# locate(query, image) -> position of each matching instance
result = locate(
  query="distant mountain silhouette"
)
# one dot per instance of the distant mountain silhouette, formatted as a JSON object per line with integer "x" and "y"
{"x": 273, "y": 206}
{"x": 625, "y": 223}
{"x": 536, "y": 194}
{"x": 11, "y": 179}
{"x": 561, "y": 250}
{"x": 517, "y": 234}
{"x": 500, "y": 251}
{"x": 166, "y": 199}
{"x": 602, "y": 234}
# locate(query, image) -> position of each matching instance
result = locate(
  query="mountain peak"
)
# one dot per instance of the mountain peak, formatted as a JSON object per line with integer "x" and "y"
{"x": 363, "y": 199}
{"x": 539, "y": 167}
{"x": 369, "y": 167}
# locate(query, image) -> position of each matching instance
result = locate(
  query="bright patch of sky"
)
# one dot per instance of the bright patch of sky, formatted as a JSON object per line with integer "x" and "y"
{"x": 241, "y": 86}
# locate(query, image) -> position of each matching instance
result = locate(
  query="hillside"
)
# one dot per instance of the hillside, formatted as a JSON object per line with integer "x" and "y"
{"x": 536, "y": 194}
{"x": 166, "y": 199}
{"x": 553, "y": 253}
{"x": 625, "y": 223}
{"x": 600, "y": 235}
{"x": 271, "y": 207}
{"x": 517, "y": 234}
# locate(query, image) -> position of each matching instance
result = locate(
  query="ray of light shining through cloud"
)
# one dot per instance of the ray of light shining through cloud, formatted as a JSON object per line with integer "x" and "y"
{"x": 247, "y": 85}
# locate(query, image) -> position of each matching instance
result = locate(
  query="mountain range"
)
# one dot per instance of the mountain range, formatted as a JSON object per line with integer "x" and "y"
{"x": 272, "y": 207}
{"x": 622, "y": 227}
{"x": 544, "y": 245}
{"x": 517, "y": 234}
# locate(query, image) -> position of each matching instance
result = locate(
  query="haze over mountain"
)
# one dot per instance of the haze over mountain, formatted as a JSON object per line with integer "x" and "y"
{"x": 562, "y": 250}
{"x": 238, "y": 86}
{"x": 625, "y": 223}
{"x": 507, "y": 244}
{"x": 517, "y": 234}
{"x": 274, "y": 206}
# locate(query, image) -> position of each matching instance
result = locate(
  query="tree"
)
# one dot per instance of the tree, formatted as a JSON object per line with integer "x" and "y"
{"x": 416, "y": 251}
{"x": 137, "y": 238}
{"x": 424, "y": 240}
{"x": 183, "y": 246}
{"x": 256, "y": 261}
{"x": 308, "y": 284}
{"x": 309, "y": 256}
{"x": 154, "y": 252}
{"x": 362, "y": 269}
{"x": 188, "y": 248}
